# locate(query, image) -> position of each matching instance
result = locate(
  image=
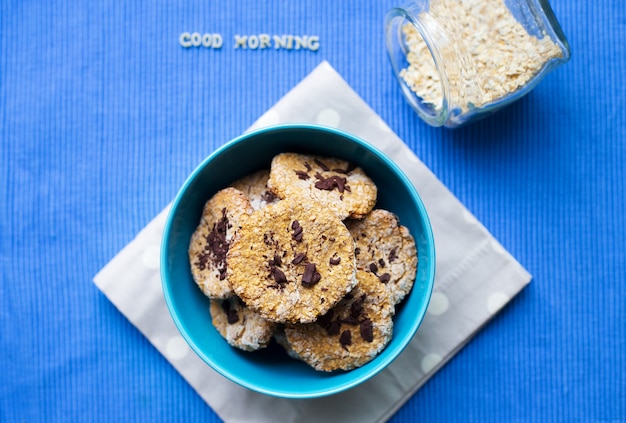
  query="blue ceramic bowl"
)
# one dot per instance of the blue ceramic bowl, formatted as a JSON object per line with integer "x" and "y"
{"x": 271, "y": 371}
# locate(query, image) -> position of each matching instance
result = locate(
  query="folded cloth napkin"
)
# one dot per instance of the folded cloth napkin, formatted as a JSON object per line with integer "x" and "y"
{"x": 475, "y": 278}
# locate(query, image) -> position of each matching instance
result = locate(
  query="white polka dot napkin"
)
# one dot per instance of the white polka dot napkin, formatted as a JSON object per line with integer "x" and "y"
{"x": 475, "y": 278}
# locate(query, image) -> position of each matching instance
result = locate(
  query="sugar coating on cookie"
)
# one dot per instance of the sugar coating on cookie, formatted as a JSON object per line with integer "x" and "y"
{"x": 338, "y": 185}
{"x": 292, "y": 261}
{"x": 351, "y": 334}
{"x": 221, "y": 218}
{"x": 386, "y": 249}
{"x": 239, "y": 326}
{"x": 255, "y": 187}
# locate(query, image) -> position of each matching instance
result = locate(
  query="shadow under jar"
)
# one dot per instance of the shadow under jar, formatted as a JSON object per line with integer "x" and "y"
{"x": 460, "y": 60}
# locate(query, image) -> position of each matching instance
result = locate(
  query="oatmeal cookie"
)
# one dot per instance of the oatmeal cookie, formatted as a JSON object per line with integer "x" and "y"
{"x": 338, "y": 185}
{"x": 255, "y": 187}
{"x": 350, "y": 334}
{"x": 239, "y": 326}
{"x": 386, "y": 249}
{"x": 221, "y": 217}
{"x": 292, "y": 261}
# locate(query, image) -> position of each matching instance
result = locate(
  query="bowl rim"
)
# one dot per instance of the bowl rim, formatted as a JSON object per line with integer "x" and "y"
{"x": 383, "y": 361}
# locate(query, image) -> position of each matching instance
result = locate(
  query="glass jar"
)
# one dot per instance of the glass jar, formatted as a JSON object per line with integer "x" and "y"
{"x": 459, "y": 60}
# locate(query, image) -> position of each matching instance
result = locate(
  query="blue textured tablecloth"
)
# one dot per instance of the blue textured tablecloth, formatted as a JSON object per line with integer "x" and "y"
{"x": 103, "y": 114}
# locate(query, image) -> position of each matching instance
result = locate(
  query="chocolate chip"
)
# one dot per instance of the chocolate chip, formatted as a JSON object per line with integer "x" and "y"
{"x": 349, "y": 168}
{"x": 345, "y": 339}
{"x": 392, "y": 255}
{"x": 302, "y": 175}
{"x": 351, "y": 320}
{"x": 385, "y": 277}
{"x": 232, "y": 317}
{"x": 321, "y": 164}
{"x": 381, "y": 262}
{"x": 356, "y": 307}
{"x": 341, "y": 183}
{"x": 277, "y": 260}
{"x": 357, "y": 251}
{"x": 298, "y": 258}
{"x": 297, "y": 231}
{"x": 231, "y": 313}
{"x": 330, "y": 183}
{"x": 310, "y": 276}
{"x": 217, "y": 246}
{"x": 202, "y": 259}
{"x": 323, "y": 183}
{"x": 268, "y": 196}
{"x": 366, "y": 330}
{"x": 316, "y": 277}
{"x": 335, "y": 260}
{"x": 333, "y": 328}
{"x": 373, "y": 268}
{"x": 308, "y": 166}
{"x": 307, "y": 277}
{"x": 278, "y": 275}
{"x": 268, "y": 239}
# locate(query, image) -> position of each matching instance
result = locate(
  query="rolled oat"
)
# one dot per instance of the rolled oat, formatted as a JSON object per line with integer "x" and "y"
{"x": 487, "y": 54}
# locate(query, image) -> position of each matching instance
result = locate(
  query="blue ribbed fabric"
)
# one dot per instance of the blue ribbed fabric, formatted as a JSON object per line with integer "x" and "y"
{"x": 103, "y": 114}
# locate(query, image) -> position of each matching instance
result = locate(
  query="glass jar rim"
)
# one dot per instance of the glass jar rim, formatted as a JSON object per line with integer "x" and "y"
{"x": 433, "y": 116}
{"x": 536, "y": 16}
